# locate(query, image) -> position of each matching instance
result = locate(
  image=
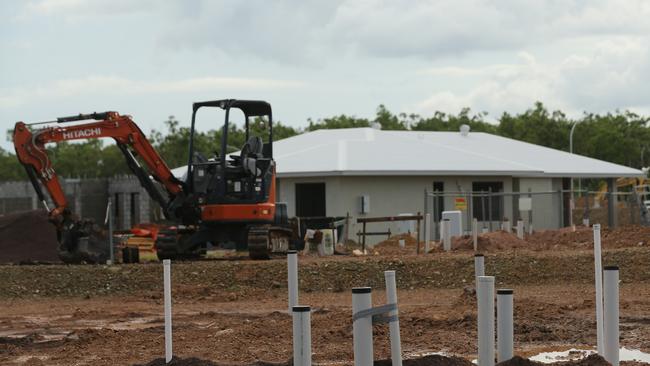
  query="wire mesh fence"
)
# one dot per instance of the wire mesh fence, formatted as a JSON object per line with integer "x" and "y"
{"x": 538, "y": 210}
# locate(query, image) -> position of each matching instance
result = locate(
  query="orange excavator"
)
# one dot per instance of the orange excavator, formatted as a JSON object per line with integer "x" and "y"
{"x": 227, "y": 198}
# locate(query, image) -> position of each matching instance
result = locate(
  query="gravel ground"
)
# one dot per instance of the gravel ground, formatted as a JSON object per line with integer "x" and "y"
{"x": 234, "y": 312}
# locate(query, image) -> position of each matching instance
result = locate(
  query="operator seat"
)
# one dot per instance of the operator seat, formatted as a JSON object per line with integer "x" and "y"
{"x": 250, "y": 152}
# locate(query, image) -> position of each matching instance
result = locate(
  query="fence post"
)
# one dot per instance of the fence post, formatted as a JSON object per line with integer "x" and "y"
{"x": 301, "y": 335}
{"x": 391, "y": 298}
{"x": 598, "y": 265}
{"x": 436, "y": 233}
{"x": 109, "y": 220}
{"x": 505, "y": 327}
{"x": 490, "y": 207}
{"x": 484, "y": 217}
{"x": 610, "y": 287}
{"x": 485, "y": 299}
{"x": 167, "y": 294}
{"x": 418, "y": 230}
{"x": 561, "y": 207}
{"x": 427, "y": 232}
{"x": 475, "y": 233}
{"x": 362, "y": 327}
{"x": 520, "y": 229}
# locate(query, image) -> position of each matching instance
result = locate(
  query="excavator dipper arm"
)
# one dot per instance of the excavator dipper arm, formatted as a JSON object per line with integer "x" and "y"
{"x": 82, "y": 240}
{"x": 31, "y": 152}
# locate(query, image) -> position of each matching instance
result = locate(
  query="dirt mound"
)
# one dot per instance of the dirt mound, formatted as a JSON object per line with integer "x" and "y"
{"x": 488, "y": 242}
{"x": 592, "y": 360}
{"x": 27, "y": 237}
{"x": 583, "y": 238}
{"x": 391, "y": 245}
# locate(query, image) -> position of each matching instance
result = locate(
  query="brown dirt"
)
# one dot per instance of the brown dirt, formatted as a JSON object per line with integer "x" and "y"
{"x": 562, "y": 239}
{"x": 391, "y": 245}
{"x": 27, "y": 237}
{"x": 234, "y": 312}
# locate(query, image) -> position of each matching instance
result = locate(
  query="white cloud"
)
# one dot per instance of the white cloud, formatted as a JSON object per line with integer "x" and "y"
{"x": 611, "y": 75}
{"x": 111, "y": 85}
{"x": 76, "y": 8}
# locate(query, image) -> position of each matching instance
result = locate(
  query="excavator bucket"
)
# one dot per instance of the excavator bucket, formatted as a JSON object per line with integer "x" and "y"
{"x": 82, "y": 241}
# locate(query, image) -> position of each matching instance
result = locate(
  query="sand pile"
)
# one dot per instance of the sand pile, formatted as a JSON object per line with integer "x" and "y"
{"x": 27, "y": 237}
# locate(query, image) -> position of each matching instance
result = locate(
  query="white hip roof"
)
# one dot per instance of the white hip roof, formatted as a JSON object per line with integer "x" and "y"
{"x": 368, "y": 151}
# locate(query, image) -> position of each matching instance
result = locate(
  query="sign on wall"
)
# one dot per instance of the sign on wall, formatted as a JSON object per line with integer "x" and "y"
{"x": 460, "y": 203}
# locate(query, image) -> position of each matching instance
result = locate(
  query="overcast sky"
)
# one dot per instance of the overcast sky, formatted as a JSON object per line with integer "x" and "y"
{"x": 152, "y": 59}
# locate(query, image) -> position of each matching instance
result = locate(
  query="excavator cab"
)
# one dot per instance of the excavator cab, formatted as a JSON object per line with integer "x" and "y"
{"x": 229, "y": 199}
{"x": 231, "y": 178}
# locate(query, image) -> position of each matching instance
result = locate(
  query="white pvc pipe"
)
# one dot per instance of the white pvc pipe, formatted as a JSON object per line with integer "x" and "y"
{"x": 485, "y": 299}
{"x": 520, "y": 229}
{"x": 479, "y": 267}
{"x": 485, "y": 230}
{"x": 585, "y": 222}
{"x": 505, "y": 327}
{"x": 167, "y": 290}
{"x": 427, "y": 232}
{"x": 610, "y": 287}
{"x": 530, "y": 228}
{"x": 598, "y": 264}
{"x": 301, "y": 335}
{"x": 292, "y": 282}
{"x": 447, "y": 235}
{"x": 506, "y": 226}
{"x": 391, "y": 298}
{"x": 362, "y": 328}
{"x": 475, "y": 233}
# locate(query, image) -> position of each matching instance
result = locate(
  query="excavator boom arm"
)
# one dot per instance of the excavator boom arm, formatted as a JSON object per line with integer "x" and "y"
{"x": 31, "y": 152}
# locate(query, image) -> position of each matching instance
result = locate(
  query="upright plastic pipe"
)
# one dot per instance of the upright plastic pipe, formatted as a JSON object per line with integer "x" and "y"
{"x": 611, "y": 297}
{"x": 447, "y": 236}
{"x": 167, "y": 290}
{"x": 362, "y": 328}
{"x": 485, "y": 295}
{"x": 475, "y": 233}
{"x": 391, "y": 298}
{"x": 520, "y": 229}
{"x": 292, "y": 283}
{"x": 427, "y": 233}
{"x": 301, "y": 335}
{"x": 598, "y": 264}
{"x": 505, "y": 327}
{"x": 479, "y": 267}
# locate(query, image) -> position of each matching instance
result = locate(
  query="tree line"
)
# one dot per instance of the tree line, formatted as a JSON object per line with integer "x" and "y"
{"x": 619, "y": 137}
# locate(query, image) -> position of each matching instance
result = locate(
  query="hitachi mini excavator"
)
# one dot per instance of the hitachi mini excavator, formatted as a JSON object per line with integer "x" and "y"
{"x": 223, "y": 199}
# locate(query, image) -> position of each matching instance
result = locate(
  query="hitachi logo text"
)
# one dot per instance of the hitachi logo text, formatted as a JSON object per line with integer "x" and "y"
{"x": 89, "y": 132}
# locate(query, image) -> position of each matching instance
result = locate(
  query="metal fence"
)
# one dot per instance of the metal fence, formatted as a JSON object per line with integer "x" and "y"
{"x": 538, "y": 210}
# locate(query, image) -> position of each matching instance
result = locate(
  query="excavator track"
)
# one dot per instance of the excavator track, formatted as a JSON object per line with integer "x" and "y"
{"x": 266, "y": 240}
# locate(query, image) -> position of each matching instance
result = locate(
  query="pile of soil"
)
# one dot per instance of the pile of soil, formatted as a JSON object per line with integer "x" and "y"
{"x": 565, "y": 238}
{"x": 27, "y": 237}
{"x": 488, "y": 242}
{"x": 391, "y": 245}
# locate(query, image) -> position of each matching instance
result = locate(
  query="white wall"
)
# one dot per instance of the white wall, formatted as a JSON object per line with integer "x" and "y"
{"x": 392, "y": 195}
